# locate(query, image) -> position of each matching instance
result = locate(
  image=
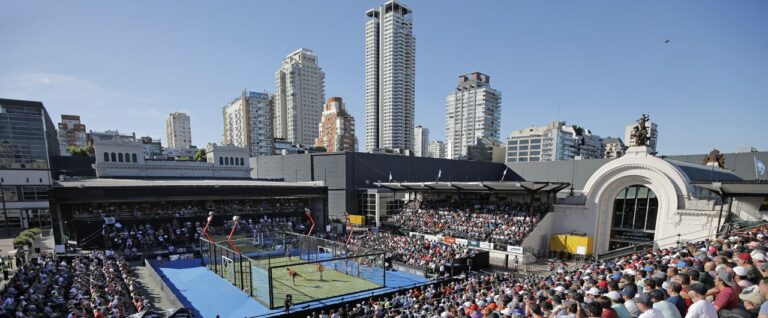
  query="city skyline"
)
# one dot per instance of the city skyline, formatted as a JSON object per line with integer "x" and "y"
{"x": 559, "y": 68}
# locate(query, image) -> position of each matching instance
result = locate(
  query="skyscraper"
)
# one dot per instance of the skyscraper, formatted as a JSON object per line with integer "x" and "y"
{"x": 473, "y": 110}
{"x": 390, "y": 77}
{"x": 248, "y": 123}
{"x": 337, "y": 128}
{"x": 421, "y": 141}
{"x": 178, "y": 131}
{"x": 299, "y": 97}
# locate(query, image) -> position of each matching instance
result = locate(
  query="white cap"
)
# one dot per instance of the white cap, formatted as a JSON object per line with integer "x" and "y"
{"x": 614, "y": 295}
{"x": 594, "y": 291}
{"x": 758, "y": 256}
{"x": 740, "y": 270}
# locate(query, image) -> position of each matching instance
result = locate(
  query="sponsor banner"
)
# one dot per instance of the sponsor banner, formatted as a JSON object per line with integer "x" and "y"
{"x": 432, "y": 238}
{"x": 486, "y": 245}
{"x": 473, "y": 243}
{"x": 461, "y": 241}
{"x": 449, "y": 240}
{"x": 500, "y": 247}
{"x": 515, "y": 249}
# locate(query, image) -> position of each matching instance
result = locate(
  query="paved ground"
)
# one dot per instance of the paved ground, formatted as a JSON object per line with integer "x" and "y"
{"x": 152, "y": 290}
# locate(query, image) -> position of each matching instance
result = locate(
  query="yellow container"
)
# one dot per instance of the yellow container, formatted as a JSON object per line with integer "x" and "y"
{"x": 574, "y": 244}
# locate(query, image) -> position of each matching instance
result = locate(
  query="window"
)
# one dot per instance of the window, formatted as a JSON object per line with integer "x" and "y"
{"x": 226, "y": 161}
{"x": 114, "y": 157}
{"x": 34, "y": 193}
{"x": 127, "y": 157}
{"x": 635, "y": 207}
{"x": 221, "y": 161}
{"x": 133, "y": 158}
{"x": 10, "y": 194}
{"x": 106, "y": 156}
{"x": 120, "y": 157}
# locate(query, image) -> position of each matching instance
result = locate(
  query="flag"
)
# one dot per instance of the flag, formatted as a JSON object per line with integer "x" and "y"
{"x": 390, "y": 176}
{"x": 503, "y": 175}
{"x": 759, "y": 168}
{"x": 439, "y": 174}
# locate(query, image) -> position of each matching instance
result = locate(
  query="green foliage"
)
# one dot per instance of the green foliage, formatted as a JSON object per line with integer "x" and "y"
{"x": 200, "y": 155}
{"x": 81, "y": 151}
{"x": 27, "y": 237}
{"x": 184, "y": 158}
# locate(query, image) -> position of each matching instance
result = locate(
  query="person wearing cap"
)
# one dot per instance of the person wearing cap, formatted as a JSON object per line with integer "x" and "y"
{"x": 728, "y": 295}
{"x": 629, "y": 294}
{"x": 617, "y": 303}
{"x": 666, "y": 308}
{"x": 646, "y": 307}
{"x": 701, "y": 308}
{"x": 763, "y": 290}
{"x": 740, "y": 277}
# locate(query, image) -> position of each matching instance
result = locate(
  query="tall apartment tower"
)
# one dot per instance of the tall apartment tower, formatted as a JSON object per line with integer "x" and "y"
{"x": 473, "y": 111}
{"x": 390, "y": 77}
{"x": 299, "y": 97}
{"x": 71, "y": 133}
{"x": 421, "y": 141}
{"x": 653, "y": 133}
{"x": 178, "y": 131}
{"x": 337, "y": 128}
{"x": 248, "y": 123}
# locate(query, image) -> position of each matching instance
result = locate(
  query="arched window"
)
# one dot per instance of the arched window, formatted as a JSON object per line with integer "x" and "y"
{"x": 242, "y": 161}
{"x": 127, "y": 157}
{"x": 120, "y": 157}
{"x": 114, "y": 157}
{"x": 133, "y": 158}
{"x": 226, "y": 161}
{"x": 232, "y": 161}
{"x": 221, "y": 161}
{"x": 636, "y": 208}
{"x": 106, "y": 156}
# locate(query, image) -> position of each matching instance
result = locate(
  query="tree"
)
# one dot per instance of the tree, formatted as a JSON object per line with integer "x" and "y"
{"x": 201, "y": 155}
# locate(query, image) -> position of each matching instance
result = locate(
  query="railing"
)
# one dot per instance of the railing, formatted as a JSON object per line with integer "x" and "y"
{"x": 649, "y": 246}
{"x": 164, "y": 288}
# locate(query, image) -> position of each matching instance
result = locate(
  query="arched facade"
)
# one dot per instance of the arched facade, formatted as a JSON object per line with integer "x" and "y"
{"x": 669, "y": 184}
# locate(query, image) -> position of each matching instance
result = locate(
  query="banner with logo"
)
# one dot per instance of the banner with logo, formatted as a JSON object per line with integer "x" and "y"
{"x": 486, "y": 245}
{"x": 473, "y": 243}
{"x": 449, "y": 240}
{"x": 515, "y": 249}
{"x": 461, "y": 241}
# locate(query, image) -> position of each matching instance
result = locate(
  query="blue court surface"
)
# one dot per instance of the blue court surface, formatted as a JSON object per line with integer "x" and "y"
{"x": 210, "y": 295}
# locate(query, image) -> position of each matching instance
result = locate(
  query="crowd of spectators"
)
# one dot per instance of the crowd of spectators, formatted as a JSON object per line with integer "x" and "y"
{"x": 187, "y": 208}
{"x": 727, "y": 277}
{"x": 415, "y": 251}
{"x": 94, "y": 286}
{"x": 135, "y": 239}
{"x": 507, "y": 223}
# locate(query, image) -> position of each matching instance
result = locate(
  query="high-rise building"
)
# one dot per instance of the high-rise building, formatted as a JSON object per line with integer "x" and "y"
{"x": 337, "y": 128}
{"x": 437, "y": 149}
{"x": 390, "y": 77}
{"x": 421, "y": 141}
{"x": 613, "y": 148}
{"x": 248, "y": 123}
{"x": 299, "y": 97}
{"x": 653, "y": 135}
{"x": 28, "y": 139}
{"x": 473, "y": 111}
{"x": 556, "y": 141}
{"x": 71, "y": 134}
{"x": 178, "y": 131}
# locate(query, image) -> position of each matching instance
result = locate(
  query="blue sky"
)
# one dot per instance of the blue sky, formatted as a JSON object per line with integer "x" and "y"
{"x": 126, "y": 65}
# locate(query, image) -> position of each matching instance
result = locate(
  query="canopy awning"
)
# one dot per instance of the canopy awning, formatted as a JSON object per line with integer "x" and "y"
{"x": 485, "y": 186}
{"x": 736, "y": 189}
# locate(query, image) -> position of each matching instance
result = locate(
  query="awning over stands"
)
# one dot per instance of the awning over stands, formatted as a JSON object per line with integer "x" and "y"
{"x": 492, "y": 186}
{"x": 736, "y": 189}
